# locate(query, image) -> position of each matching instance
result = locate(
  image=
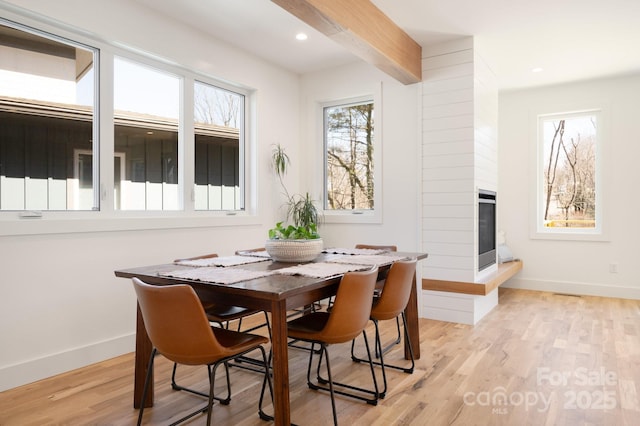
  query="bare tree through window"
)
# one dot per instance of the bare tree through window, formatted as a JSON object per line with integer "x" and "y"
{"x": 349, "y": 156}
{"x": 214, "y": 105}
{"x": 570, "y": 171}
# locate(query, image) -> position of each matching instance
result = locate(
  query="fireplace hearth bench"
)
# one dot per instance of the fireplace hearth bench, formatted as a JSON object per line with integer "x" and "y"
{"x": 483, "y": 287}
{"x": 465, "y": 302}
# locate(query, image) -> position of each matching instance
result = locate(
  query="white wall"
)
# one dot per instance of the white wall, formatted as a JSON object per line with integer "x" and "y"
{"x": 397, "y": 120}
{"x": 580, "y": 267}
{"x": 61, "y": 307}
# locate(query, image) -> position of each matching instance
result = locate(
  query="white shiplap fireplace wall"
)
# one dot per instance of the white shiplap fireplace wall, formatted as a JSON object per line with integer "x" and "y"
{"x": 459, "y": 143}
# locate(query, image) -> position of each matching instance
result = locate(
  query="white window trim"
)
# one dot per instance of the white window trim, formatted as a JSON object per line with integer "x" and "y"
{"x": 14, "y": 223}
{"x": 354, "y": 216}
{"x": 601, "y": 231}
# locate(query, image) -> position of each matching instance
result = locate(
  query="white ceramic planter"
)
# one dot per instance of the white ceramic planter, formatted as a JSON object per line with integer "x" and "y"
{"x": 294, "y": 250}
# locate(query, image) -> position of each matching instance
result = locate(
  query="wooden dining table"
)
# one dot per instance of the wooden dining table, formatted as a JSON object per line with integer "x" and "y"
{"x": 275, "y": 293}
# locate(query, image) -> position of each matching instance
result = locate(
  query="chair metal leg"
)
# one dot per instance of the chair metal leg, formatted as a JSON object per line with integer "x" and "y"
{"x": 177, "y": 387}
{"x": 223, "y": 401}
{"x": 323, "y": 352}
{"x": 265, "y": 381}
{"x": 407, "y": 370}
{"x": 212, "y": 379}
{"x": 381, "y": 351}
{"x": 241, "y": 361}
{"x": 206, "y": 408}
{"x": 323, "y": 348}
{"x": 293, "y": 343}
{"x": 226, "y": 400}
{"x": 378, "y": 345}
{"x": 392, "y": 344}
{"x": 375, "y": 393}
{"x": 410, "y": 369}
{"x": 211, "y": 373}
{"x": 406, "y": 336}
{"x": 147, "y": 383}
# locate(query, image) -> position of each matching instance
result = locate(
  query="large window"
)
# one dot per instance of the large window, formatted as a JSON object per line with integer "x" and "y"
{"x": 174, "y": 139}
{"x": 48, "y": 137}
{"x": 349, "y": 156}
{"x": 218, "y": 123}
{"x": 147, "y": 108}
{"x": 568, "y": 175}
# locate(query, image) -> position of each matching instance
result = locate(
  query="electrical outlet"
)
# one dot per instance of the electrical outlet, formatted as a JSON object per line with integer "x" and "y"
{"x": 613, "y": 268}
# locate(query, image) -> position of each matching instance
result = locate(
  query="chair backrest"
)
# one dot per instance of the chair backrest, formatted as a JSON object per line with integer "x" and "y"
{"x": 382, "y": 276}
{"x": 176, "y": 323}
{"x": 396, "y": 291}
{"x": 377, "y": 247}
{"x": 351, "y": 308}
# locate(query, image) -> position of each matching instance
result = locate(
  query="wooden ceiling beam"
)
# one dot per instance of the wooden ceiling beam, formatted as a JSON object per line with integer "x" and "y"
{"x": 363, "y": 29}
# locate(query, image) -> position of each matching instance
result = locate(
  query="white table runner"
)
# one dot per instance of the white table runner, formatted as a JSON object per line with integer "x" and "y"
{"x": 379, "y": 260}
{"x": 216, "y": 274}
{"x": 320, "y": 269}
{"x": 354, "y": 251}
{"x": 255, "y": 253}
{"x": 221, "y": 261}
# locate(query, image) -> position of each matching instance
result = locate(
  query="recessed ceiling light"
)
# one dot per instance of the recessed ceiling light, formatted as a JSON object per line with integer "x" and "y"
{"x": 537, "y": 69}
{"x": 301, "y": 36}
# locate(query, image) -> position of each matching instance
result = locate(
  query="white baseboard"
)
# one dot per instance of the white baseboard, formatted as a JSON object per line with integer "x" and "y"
{"x": 37, "y": 369}
{"x": 567, "y": 287}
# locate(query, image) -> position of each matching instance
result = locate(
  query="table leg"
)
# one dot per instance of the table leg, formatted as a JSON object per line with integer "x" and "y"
{"x": 411, "y": 313}
{"x": 143, "y": 352}
{"x": 281, "y": 403}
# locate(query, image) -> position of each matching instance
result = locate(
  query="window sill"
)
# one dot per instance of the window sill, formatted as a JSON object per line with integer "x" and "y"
{"x": 360, "y": 216}
{"x": 570, "y": 235}
{"x": 81, "y": 222}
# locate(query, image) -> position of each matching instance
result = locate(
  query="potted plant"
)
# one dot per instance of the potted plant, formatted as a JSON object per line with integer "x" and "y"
{"x": 298, "y": 241}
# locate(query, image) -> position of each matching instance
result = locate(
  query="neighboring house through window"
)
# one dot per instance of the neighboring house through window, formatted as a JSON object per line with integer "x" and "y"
{"x": 48, "y": 129}
{"x": 218, "y": 121}
{"x": 147, "y": 100}
{"x": 49, "y": 150}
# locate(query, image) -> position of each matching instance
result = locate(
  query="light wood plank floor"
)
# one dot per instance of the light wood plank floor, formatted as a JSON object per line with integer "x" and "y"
{"x": 538, "y": 359}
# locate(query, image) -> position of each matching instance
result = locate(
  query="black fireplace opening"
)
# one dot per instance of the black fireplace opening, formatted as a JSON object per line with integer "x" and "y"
{"x": 486, "y": 229}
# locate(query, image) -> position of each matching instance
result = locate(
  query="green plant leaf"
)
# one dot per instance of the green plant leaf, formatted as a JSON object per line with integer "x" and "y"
{"x": 301, "y": 210}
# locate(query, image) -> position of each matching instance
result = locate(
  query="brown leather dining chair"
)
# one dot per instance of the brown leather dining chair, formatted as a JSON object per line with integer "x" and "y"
{"x": 180, "y": 330}
{"x": 380, "y": 286}
{"x": 346, "y": 320}
{"x": 391, "y": 305}
{"x": 223, "y": 314}
{"x": 380, "y": 282}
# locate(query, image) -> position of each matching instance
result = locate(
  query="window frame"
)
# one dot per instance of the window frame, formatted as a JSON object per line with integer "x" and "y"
{"x": 155, "y": 67}
{"x": 107, "y": 218}
{"x": 373, "y": 216}
{"x": 242, "y": 143}
{"x": 537, "y": 229}
{"x": 60, "y": 37}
